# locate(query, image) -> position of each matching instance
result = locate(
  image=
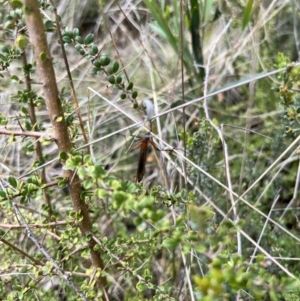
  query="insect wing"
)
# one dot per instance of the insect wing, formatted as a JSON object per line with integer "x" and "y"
{"x": 142, "y": 161}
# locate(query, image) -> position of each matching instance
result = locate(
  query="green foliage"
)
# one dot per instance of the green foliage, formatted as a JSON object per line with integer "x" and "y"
{"x": 7, "y": 55}
{"x": 101, "y": 62}
{"x": 161, "y": 16}
{"x": 289, "y": 93}
{"x": 247, "y": 13}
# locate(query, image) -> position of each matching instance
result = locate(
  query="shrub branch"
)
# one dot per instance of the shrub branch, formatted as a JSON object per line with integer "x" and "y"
{"x": 47, "y": 76}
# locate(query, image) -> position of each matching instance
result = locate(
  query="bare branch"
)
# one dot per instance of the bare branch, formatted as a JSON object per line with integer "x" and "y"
{"x": 26, "y": 133}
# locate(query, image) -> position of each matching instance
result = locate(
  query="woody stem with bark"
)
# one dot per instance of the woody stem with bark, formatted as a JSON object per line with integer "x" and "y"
{"x": 47, "y": 77}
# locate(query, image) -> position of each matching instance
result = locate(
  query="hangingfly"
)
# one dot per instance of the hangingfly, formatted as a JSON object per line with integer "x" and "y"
{"x": 143, "y": 145}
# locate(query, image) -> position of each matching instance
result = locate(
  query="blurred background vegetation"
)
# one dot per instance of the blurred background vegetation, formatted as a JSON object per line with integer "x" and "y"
{"x": 224, "y": 227}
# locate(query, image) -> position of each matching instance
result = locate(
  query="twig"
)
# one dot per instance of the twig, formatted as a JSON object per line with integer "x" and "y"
{"x": 246, "y": 81}
{"x": 262, "y": 231}
{"x": 181, "y": 156}
{"x": 220, "y": 133}
{"x": 66, "y": 277}
{"x": 10, "y": 226}
{"x": 69, "y": 76}
{"x": 225, "y": 216}
{"x": 294, "y": 194}
{"x": 38, "y": 145}
{"x": 182, "y": 92}
{"x": 26, "y": 133}
{"x": 37, "y": 262}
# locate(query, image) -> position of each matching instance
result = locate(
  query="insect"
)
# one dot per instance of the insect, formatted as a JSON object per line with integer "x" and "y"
{"x": 143, "y": 145}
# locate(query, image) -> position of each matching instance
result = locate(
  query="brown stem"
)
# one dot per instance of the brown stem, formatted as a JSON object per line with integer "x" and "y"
{"x": 53, "y": 224}
{"x": 38, "y": 146}
{"x": 47, "y": 76}
{"x": 25, "y": 133}
{"x": 35, "y": 261}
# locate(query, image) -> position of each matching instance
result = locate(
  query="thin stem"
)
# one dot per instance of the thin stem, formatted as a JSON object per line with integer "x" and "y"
{"x": 182, "y": 89}
{"x": 38, "y": 146}
{"x": 73, "y": 92}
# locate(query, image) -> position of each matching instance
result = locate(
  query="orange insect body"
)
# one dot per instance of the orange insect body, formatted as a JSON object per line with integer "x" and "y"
{"x": 143, "y": 145}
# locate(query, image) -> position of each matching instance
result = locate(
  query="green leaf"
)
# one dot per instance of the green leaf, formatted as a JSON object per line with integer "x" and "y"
{"x": 97, "y": 64}
{"x": 2, "y": 194}
{"x": 115, "y": 67}
{"x": 75, "y": 32}
{"x": 170, "y": 243}
{"x": 72, "y": 163}
{"x": 12, "y": 181}
{"x": 89, "y": 39}
{"x": 118, "y": 79}
{"x": 120, "y": 197}
{"x": 4, "y": 49}
{"x": 79, "y": 39}
{"x": 69, "y": 120}
{"x": 109, "y": 70}
{"x": 195, "y": 33}
{"x": 156, "y": 12}
{"x": 247, "y": 13}
{"x": 156, "y": 215}
{"x": 141, "y": 286}
{"x": 78, "y": 48}
{"x": 96, "y": 171}
{"x": 14, "y": 77}
{"x": 207, "y": 9}
{"x": 23, "y": 200}
{"x": 146, "y": 202}
{"x": 63, "y": 155}
{"x": 67, "y": 39}
{"x": 291, "y": 284}
{"x": 111, "y": 79}
{"x": 68, "y": 33}
{"x": 12, "y": 138}
{"x": 101, "y": 193}
{"x": 104, "y": 60}
{"x": 94, "y": 50}
{"x": 130, "y": 86}
{"x": 87, "y": 159}
{"x": 134, "y": 94}
{"x": 16, "y": 3}
{"x": 49, "y": 25}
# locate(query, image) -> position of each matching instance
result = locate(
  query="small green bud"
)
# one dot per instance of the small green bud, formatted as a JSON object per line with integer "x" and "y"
{"x": 118, "y": 79}
{"x": 79, "y": 39}
{"x": 134, "y": 94}
{"x": 115, "y": 67}
{"x": 111, "y": 79}
{"x": 130, "y": 86}
{"x": 89, "y": 39}
{"x": 104, "y": 60}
